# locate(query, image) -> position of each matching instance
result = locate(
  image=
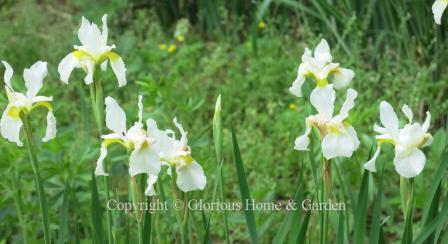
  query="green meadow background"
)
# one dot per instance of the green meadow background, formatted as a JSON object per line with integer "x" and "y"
{"x": 397, "y": 52}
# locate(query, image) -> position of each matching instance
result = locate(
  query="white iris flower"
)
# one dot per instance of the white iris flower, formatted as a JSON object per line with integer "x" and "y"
{"x": 94, "y": 51}
{"x": 144, "y": 158}
{"x": 11, "y": 123}
{"x": 438, "y": 8}
{"x": 176, "y": 153}
{"x": 338, "y": 136}
{"x": 409, "y": 160}
{"x": 319, "y": 67}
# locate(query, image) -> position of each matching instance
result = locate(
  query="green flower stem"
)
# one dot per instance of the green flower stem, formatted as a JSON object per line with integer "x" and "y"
{"x": 137, "y": 198}
{"x": 326, "y": 192}
{"x": 96, "y": 98}
{"x": 186, "y": 214}
{"x": 407, "y": 201}
{"x": 38, "y": 180}
{"x": 178, "y": 211}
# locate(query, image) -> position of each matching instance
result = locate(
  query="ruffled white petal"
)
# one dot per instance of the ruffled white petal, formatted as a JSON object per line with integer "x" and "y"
{"x": 105, "y": 32}
{"x": 8, "y": 74}
{"x": 348, "y": 104}
{"x": 322, "y": 98}
{"x": 411, "y": 165}
{"x": 140, "y": 109}
{"x": 408, "y": 112}
{"x": 115, "y": 116}
{"x": 370, "y": 165}
{"x": 389, "y": 118}
{"x": 66, "y": 67}
{"x": 438, "y": 8}
{"x": 183, "y": 139}
{"x": 338, "y": 145}
{"x": 150, "y": 191}
{"x": 302, "y": 142}
{"x": 10, "y": 128}
{"x": 296, "y": 87}
{"x": 145, "y": 160}
{"x": 425, "y": 125}
{"x": 342, "y": 77}
{"x": 51, "y": 127}
{"x": 34, "y": 78}
{"x": 99, "y": 170}
{"x": 191, "y": 177}
{"x": 119, "y": 70}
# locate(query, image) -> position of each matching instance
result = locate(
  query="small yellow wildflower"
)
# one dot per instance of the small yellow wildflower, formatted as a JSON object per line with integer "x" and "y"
{"x": 172, "y": 48}
{"x": 261, "y": 24}
{"x": 180, "y": 38}
{"x": 292, "y": 106}
{"x": 162, "y": 46}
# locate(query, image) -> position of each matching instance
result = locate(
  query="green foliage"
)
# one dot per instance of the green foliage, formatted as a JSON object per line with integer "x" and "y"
{"x": 394, "y": 47}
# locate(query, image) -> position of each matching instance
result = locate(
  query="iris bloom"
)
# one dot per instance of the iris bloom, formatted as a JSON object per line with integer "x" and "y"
{"x": 409, "y": 160}
{"x": 339, "y": 137}
{"x": 438, "y": 8}
{"x": 177, "y": 154}
{"x": 93, "y": 51}
{"x": 319, "y": 67}
{"x": 11, "y": 123}
{"x": 144, "y": 158}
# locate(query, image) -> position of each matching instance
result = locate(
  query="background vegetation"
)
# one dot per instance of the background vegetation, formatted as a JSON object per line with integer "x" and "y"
{"x": 397, "y": 52}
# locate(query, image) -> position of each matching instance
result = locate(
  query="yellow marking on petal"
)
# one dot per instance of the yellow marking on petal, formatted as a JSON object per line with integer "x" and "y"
{"x": 162, "y": 46}
{"x": 332, "y": 128}
{"x": 172, "y": 48}
{"x": 107, "y": 142}
{"x": 14, "y": 112}
{"x": 321, "y": 82}
{"x": 79, "y": 54}
{"x": 111, "y": 55}
{"x": 47, "y": 105}
{"x": 382, "y": 141}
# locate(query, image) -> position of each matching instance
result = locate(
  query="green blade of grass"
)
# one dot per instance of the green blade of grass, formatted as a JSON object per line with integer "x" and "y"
{"x": 376, "y": 215}
{"x": 244, "y": 188}
{"x": 285, "y": 227}
{"x": 63, "y": 219}
{"x": 206, "y": 224}
{"x": 96, "y": 216}
{"x": 340, "y": 237}
{"x": 360, "y": 212}
{"x": 426, "y": 231}
{"x": 301, "y": 238}
{"x": 147, "y": 224}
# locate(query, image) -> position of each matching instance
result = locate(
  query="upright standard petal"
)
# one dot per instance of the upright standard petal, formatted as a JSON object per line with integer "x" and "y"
{"x": 150, "y": 191}
{"x": 191, "y": 177}
{"x": 322, "y": 52}
{"x": 10, "y": 128}
{"x": 342, "y": 77}
{"x": 105, "y": 31}
{"x": 348, "y": 104}
{"x": 34, "y": 78}
{"x": 411, "y": 165}
{"x": 140, "y": 109}
{"x": 8, "y": 74}
{"x": 145, "y": 160}
{"x": 183, "y": 139}
{"x": 371, "y": 164}
{"x": 408, "y": 112}
{"x": 389, "y": 118}
{"x": 66, "y": 66}
{"x": 322, "y": 98}
{"x": 425, "y": 125}
{"x": 438, "y": 8}
{"x": 51, "y": 127}
{"x": 115, "y": 116}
